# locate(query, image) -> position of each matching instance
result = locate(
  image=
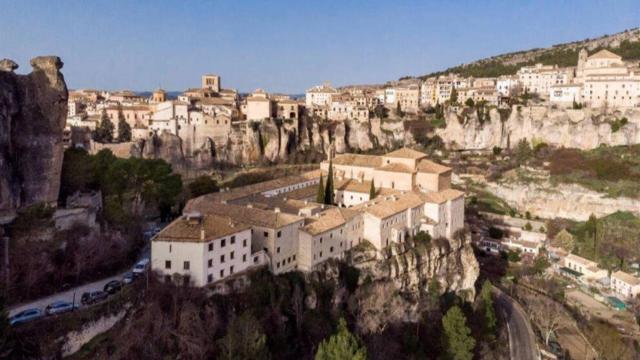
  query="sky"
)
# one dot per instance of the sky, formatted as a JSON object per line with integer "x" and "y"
{"x": 286, "y": 46}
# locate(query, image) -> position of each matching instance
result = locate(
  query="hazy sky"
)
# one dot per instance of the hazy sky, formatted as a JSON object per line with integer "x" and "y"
{"x": 286, "y": 46}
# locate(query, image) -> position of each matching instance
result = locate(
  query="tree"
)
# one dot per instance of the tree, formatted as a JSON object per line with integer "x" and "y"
{"x": 523, "y": 151}
{"x": 469, "y": 102}
{"x": 489, "y": 310}
{"x": 320, "y": 193}
{"x": 453, "y": 98}
{"x": 244, "y": 340}
{"x": 372, "y": 191}
{"x": 399, "y": 111}
{"x": 124, "y": 130}
{"x": 527, "y": 226}
{"x": 328, "y": 190}
{"x": 458, "y": 339}
{"x": 203, "y": 185}
{"x": 497, "y": 150}
{"x": 341, "y": 346}
{"x": 548, "y": 315}
{"x": 7, "y": 340}
{"x": 104, "y": 132}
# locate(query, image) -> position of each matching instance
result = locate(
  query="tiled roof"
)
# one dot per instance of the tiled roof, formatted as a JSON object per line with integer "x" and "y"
{"x": 406, "y": 153}
{"x": 250, "y": 215}
{"x": 604, "y": 54}
{"x": 207, "y": 228}
{"x": 429, "y": 166}
{"x": 383, "y": 207}
{"x": 328, "y": 219}
{"x": 627, "y": 278}
{"x": 353, "y": 185}
{"x": 396, "y": 168}
{"x": 358, "y": 160}
{"x": 441, "y": 196}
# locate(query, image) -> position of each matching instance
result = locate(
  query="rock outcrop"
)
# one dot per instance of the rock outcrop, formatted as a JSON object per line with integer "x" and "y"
{"x": 569, "y": 201}
{"x": 582, "y": 129}
{"x": 33, "y": 110}
{"x": 390, "y": 286}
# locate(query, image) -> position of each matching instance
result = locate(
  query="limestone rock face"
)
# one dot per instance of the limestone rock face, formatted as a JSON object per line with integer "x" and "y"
{"x": 33, "y": 110}
{"x": 582, "y": 129}
{"x": 569, "y": 201}
{"x": 390, "y": 285}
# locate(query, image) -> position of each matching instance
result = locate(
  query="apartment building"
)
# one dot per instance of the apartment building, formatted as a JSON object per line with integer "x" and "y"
{"x": 540, "y": 78}
{"x": 589, "y": 269}
{"x": 319, "y": 95}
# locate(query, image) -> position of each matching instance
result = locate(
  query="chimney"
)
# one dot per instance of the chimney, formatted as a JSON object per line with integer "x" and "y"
{"x": 202, "y": 234}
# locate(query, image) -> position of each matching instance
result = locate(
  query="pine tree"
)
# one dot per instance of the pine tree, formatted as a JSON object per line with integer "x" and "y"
{"x": 372, "y": 191}
{"x": 453, "y": 98}
{"x": 104, "y": 132}
{"x": 328, "y": 190}
{"x": 458, "y": 340}
{"x": 341, "y": 346}
{"x": 244, "y": 340}
{"x": 489, "y": 310}
{"x": 124, "y": 131}
{"x": 320, "y": 193}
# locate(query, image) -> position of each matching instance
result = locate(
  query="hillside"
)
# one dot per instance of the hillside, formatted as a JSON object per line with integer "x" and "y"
{"x": 626, "y": 44}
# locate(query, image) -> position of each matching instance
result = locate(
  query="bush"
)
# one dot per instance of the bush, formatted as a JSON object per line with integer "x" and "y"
{"x": 496, "y": 233}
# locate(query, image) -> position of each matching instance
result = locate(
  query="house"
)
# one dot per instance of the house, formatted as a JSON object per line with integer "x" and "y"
{"x": 202, "y": 249}
{"x": 625, "y": 285}
{"x": 588, "y": 269}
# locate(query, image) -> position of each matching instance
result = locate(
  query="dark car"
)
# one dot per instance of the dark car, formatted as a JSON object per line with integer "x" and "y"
{"x": 93, "y": 297}
{"x": 113, "y": 286}
{"x": 25, "y": 316}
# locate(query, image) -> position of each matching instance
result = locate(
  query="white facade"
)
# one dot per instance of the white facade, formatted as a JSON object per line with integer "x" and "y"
{"x": 565, "y": 95}
{"x": 625, "y": 285}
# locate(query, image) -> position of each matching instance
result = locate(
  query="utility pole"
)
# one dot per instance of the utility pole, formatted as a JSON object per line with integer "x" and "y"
{"x": 6, "y": 262}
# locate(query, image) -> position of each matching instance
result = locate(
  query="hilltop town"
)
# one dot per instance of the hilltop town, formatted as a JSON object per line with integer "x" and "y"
{"x": 212, "y": 222}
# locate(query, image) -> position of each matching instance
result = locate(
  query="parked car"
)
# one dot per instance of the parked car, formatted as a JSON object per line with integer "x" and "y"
{"x": 113, "y": 286}
{"x": 25, "y": 316}
{"x": 141, "y": 266}
{"x": 93, "y": 297}
{"x": 59, "y": 307}
{"x": 128, "y": 278}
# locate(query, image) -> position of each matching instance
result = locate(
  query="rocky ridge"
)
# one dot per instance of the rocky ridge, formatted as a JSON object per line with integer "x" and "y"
{"x": 33, "y": 110}
{"x": 582, "y": 129}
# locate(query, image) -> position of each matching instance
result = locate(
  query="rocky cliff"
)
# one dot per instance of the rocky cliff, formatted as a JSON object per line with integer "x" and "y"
{"x": 569, "y": 201}
{"x": 582, "y": 129}
{"x": 391, "y": 286}
{"x": 33, "y": 109}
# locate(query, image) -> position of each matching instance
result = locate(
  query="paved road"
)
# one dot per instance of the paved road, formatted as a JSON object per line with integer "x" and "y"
{"x": 522, "y": 340}
{"x": 69, "y": 294}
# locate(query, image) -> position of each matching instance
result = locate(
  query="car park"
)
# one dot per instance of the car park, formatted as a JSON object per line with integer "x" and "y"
{"x": 25, "y": 316}
{"x": 113, "y": 286}
{"x": 59, "y": 307}
{"x": 92, "y": 297}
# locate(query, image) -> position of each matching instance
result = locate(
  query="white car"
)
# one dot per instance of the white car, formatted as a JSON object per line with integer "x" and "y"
{"x": 141, "y": 266}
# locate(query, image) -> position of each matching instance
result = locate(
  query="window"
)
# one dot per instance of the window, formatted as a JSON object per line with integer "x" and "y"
{"x": 231, "y": 270}
{"x": 222, "y": 273}
{"x": 186, "y": 265}
{"x": 278, "y": 265}
{"x": 167, "y": 264}
{"x": 210, "y": 246}
{"x": 278, "y": 250}
{"x": 266, "y": 234}
{"x": 255, "y": 259}
{"x": 210, "y": 263}
{"x": 244, "y": 258}
{"x": 331, "y": 249}
{"x": 233, "y": 239}
{"x": 222, "y": 259}
{"x": 231, "y": 256}
{"x": 244, "y": 243}
{"x": 169, "y": 247}
{"x": 279, "y": 233}
{"x": 294, "y": 258}
{"x": 223, "y": 243}
{"x": 209, "y": 278}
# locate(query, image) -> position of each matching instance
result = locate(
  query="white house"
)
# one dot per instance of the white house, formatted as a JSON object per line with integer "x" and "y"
{"x": 625, "y": 285}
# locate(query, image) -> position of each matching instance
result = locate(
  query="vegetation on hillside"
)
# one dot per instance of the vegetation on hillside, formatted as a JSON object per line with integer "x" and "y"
{"x": 554, "y": 56}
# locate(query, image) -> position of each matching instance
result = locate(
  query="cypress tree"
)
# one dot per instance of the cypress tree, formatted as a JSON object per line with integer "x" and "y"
{"x": 320, "y": 193}
{"x": 328, "y": 190}
{"x": 489, "y": 311}
{"x": 372, "y": 191}
{"x": 124, "y": 131}
{"x": 104, "y": 132}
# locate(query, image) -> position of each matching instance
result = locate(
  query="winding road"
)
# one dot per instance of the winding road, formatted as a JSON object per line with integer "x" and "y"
{"x": 522, "y": 340}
